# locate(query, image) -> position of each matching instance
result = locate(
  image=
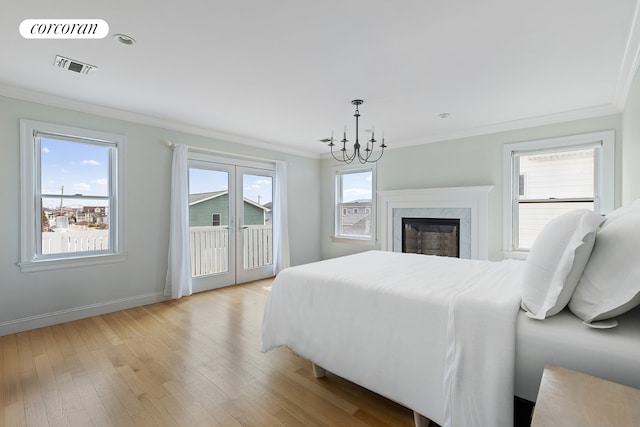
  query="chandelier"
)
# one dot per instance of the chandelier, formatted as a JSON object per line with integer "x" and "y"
{"x": 364, "y": 156}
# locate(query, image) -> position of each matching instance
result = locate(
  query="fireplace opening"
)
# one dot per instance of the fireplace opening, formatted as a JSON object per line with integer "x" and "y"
{"x": 431, "y": 236}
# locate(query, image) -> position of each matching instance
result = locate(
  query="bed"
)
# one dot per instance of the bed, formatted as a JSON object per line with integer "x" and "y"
{"x": 408, "y": 329}
{"x": 455, "y": 339}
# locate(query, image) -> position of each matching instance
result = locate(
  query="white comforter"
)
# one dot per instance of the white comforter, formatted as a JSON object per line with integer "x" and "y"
{"x": 432, "y": 333}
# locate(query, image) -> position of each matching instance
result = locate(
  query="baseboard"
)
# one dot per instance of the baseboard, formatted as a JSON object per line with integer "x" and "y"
{"x": 62, "y": 316}
{"x": 522, "y": 412}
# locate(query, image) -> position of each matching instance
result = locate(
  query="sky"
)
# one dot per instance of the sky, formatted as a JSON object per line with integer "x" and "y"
{"x": 356, "y": 186}
{"x": 84, "y": 169}
{"x": 256, "y": 188}
{"x": 79, "y": 168}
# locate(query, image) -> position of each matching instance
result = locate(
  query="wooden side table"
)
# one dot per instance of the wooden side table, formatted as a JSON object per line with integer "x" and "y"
{"x": 569, "y": 398}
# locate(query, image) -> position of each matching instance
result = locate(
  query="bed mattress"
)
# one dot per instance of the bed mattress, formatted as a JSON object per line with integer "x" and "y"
{"x": 612, "y": 354}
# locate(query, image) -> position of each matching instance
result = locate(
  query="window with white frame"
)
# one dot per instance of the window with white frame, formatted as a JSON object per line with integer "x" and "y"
{"x": 354, "y": 198}
{"x": 71, "y": 188}
{"x": 546, "y": 178}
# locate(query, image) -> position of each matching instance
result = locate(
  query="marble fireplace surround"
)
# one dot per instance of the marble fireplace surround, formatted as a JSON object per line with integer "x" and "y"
{"x": 469, "y": 204}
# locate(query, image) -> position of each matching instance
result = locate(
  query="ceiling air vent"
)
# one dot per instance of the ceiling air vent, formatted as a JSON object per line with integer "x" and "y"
{"x": 73, "y": 65}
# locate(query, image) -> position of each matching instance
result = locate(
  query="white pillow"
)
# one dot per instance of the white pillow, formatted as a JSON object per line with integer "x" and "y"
{"x": 556, "y": 261}
{"x": 610, "y": 284}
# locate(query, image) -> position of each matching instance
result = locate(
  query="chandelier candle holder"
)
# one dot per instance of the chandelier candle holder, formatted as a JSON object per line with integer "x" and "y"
{"x": 364, "y": 156}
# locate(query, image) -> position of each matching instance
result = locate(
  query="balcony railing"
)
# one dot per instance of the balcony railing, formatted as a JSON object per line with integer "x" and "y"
{"x": 60, "y": 242}
{"x": 209, "y": 246}
{"x": 210, "y": 249}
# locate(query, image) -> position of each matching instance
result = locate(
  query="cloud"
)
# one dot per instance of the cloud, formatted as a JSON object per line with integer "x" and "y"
{"x": 360, "y": 192}
{"x": 91, "y": 162}
{"x": 45, "y": 150}
{"x": 264, "y": 181}
{"x": 81, "y": 187}
{"x": 101, "y": 181}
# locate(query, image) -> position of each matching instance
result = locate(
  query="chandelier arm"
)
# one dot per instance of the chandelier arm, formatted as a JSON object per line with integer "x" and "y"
{"x": 349, "y": 158}
{"x": 378, "y": 158}
{"x": 343, "y": 156}
{"x": 365, "y": 159}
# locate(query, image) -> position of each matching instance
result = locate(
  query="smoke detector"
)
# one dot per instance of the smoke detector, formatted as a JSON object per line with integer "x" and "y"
{"x": 73, "y": 65}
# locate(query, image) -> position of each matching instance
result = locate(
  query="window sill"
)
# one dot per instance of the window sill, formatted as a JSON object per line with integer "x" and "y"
{"x": 59, "y": 264}
{"x": 353, "y": 240}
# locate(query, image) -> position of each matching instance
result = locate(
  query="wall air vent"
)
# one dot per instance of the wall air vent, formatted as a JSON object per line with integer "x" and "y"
{"x": 73, "y": 65}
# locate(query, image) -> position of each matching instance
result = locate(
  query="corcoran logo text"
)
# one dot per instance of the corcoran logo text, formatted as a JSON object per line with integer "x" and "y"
{"x": 64, "y": 29}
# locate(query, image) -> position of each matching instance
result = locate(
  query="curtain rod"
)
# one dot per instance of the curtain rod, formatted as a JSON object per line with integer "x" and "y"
{"x": 171, "y": 145}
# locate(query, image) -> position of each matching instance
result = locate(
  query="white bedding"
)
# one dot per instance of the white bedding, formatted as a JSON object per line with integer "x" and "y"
{"x": 432, "y": 333}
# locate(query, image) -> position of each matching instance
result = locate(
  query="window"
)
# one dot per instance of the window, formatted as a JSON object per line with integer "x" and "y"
{"x": 354, "y": 197}
{"x": 547, "y": 178}
{"x": 70, "y": 183}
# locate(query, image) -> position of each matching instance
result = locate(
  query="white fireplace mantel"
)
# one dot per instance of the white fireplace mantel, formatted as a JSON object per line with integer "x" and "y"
{"x": 474, "y": 198}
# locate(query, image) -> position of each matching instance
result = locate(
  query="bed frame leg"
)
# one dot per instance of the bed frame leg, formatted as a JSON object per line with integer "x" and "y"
{"x": 420, "y": 421}
{"x": 318, "y": 372}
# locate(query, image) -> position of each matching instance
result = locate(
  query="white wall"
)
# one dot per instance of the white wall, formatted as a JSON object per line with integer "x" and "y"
{"x": 39, "y": 298}
{"x": 461, "y": 162}
{"x": 631, "y": 145}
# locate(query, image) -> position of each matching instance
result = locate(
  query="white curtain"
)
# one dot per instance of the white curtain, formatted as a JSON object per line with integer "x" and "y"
{"x": 178, "y": 281}
{"x": 280, "y": 220}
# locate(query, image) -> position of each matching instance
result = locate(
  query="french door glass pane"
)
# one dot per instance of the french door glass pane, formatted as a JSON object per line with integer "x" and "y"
{"x": 257, "y": 231}
{"x": 209, "y": 221}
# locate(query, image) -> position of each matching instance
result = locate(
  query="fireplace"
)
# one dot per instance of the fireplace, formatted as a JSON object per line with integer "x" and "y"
{"x": 431, "y": 236}
{"x": 470, "y": 205}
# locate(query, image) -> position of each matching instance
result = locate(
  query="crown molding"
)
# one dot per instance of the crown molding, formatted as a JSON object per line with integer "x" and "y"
{"x": 567, "y": 116}
{"x": 24, "y": 94}
{"x": 630, "y": 63}
{"x": 113, "y": 113}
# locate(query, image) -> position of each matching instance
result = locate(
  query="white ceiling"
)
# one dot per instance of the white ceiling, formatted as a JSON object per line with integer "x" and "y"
{"x": 283, "y": 72}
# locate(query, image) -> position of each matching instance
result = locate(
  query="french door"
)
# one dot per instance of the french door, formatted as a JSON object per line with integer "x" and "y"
{"x": 230, "y": 223}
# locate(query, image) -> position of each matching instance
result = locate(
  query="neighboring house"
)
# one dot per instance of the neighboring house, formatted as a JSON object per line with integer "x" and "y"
{"x": 538, "y": 180}
{"x": 212, "y": 209}
{"x": 94, "y": 214}
{"x": 355, "y": 217}
{"x": 268, "y": 219}
{"x": 77, "y": 214}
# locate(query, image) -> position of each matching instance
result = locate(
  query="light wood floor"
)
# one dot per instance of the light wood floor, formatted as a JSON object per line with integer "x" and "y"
{"x": 190, "y": 362}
